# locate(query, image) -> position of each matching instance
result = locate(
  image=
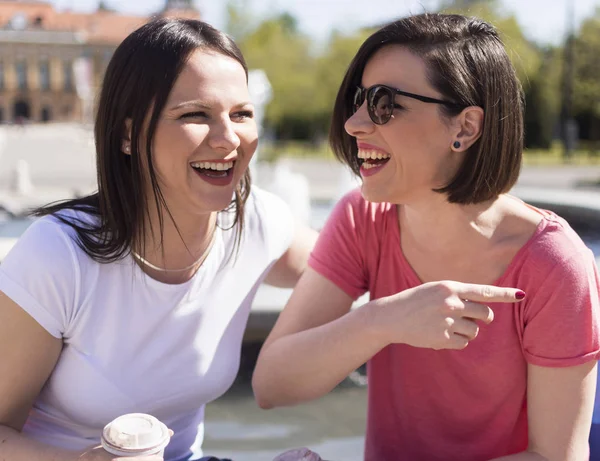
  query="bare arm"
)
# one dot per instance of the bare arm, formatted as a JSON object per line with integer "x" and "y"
{"x": 560, "y": 403}
{"x": 28, "y": 354}
{"x": 306, "y": 341}
{"x": 287, "y": 270}
{"x": 317, "y": 341}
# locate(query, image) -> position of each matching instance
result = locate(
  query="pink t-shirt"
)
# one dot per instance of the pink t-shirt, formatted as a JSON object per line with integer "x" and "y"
{"x": 469, "y": 405}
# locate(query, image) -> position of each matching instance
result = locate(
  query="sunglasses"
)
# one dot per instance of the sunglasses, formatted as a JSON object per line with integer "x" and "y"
{"x": 381, "y": 105}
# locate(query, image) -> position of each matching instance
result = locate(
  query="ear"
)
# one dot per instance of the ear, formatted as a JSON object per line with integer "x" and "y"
{"x": 126, "y": 141}
{"x": 469, "y": 126}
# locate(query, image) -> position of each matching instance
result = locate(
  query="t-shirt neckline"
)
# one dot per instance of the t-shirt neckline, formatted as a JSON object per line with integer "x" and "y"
{"x": 547, "y": 217}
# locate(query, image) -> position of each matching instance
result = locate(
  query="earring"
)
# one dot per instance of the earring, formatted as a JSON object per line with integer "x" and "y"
{"x": 127, "y": 148}
{"x": 456, "y": 144}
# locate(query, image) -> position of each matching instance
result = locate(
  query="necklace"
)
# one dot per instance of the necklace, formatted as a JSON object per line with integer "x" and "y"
{"x": 196, "y": 263}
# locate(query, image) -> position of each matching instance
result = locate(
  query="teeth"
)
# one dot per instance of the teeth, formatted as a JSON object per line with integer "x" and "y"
{"x": 372, "y": 154}
{"x": 213, "y": 165}
{"x": 368, "y": 166}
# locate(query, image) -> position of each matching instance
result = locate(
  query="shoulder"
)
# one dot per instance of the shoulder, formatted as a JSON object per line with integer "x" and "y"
{"x": 49, "y": 231}
{"x": 556, "y": 254}
{"x": 42, "y": 272}
{"x": 268, "y": 222}
{"x": 49, "y": 241}
{"x": 556, "y": 242}
{"x": 358, "y": 226}
{"x": 264, "y": 211}
{"x": 355, "y": 211}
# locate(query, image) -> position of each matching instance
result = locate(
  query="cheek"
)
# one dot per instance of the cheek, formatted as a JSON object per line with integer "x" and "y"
{"x": 248, "y": 141}
{"x": 178, "y": 141}
{"x": 420, "y": 142}
{"x": 188, "y": 137}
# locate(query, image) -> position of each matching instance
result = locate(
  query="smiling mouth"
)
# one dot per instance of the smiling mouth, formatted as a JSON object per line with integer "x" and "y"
{"x": 214, "y": 169}
{"x": 372, "y": 158}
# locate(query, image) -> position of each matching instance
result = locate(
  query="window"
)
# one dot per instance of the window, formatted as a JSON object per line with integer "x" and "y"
{"x": 46, "y": 114}
{"x": 68, "y": 72}
{"x": 44, "y": 76}
{"x": 21, "y": 68}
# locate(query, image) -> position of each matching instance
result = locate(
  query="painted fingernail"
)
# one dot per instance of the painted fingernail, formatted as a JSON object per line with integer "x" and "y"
{"x": 520, "y": 294}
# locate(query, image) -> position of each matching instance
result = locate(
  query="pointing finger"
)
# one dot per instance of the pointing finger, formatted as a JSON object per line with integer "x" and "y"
{"x": 489, "y": 293}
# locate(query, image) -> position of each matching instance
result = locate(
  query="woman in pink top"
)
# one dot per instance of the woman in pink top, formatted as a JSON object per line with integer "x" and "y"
{"x": 481, "y": 335}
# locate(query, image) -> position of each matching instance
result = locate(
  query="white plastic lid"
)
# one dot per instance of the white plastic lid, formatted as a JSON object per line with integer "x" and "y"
{"x": 136, "y": 431}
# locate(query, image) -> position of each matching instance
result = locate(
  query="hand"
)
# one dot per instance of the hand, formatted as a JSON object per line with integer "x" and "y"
{"x": 100, "y": 454}
{"x": 440, "y": 315}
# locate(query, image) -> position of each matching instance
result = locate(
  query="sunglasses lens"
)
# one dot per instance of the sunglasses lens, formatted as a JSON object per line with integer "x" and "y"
{"x": 381, "y": 104}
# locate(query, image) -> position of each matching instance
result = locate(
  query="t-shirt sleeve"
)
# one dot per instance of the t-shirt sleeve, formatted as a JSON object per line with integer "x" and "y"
{"x": 337, "y": 254}
{"x": 40, "y": 275}
{"x": 275, "y": 220}
{"x": 561, "y": 319}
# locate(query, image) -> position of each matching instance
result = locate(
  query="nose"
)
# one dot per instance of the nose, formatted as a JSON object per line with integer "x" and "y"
{"x": 359, "y": 124}
{"x": 223, "y": 136}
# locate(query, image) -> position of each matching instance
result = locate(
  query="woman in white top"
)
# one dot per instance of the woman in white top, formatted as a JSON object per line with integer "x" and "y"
{"x": 135, "y": 298}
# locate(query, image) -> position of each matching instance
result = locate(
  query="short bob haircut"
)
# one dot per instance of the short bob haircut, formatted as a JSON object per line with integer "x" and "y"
{"x": 136, "y": 86}
{"x": 468, "y": 65}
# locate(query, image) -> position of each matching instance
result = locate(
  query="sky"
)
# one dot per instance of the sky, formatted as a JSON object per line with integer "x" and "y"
{"x": 544, "y": 21}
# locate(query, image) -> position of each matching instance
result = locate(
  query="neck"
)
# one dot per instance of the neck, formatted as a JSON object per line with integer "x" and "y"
{"x": 185, "y": 239}
{"x": 443, "y": 227}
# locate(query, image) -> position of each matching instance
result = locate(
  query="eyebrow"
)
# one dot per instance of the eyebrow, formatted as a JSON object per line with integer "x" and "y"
{"x": 204, "y": 106}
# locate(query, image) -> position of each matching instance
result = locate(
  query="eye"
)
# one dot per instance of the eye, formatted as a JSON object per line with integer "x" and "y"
{"x": 243, "y": 114}
{"x": 193, "y": 115}
{"x": 398, "y": 106}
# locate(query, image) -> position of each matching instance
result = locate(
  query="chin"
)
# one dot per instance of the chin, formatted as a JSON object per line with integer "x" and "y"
{"x": 217, "y": 203}
{"x": 375, "y": 194}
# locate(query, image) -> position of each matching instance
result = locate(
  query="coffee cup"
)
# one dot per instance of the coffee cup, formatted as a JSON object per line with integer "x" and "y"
{"x": 298, "y": 454}
{"x": 135, "y": 434}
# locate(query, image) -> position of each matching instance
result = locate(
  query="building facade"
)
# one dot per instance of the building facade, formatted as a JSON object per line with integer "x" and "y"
{"x": 52, "y": 62}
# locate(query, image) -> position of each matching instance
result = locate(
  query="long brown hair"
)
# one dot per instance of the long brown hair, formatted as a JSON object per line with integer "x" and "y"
{"x": 467, "y": 63}
{"x": 138, "y": 79}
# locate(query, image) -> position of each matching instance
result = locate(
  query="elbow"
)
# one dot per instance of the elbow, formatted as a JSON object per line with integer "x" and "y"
{"x": 260, "y": 394}
{"x": 263, "y": 404}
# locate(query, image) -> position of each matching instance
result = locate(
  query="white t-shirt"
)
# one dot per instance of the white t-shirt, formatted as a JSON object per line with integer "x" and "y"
{"x": 131, "y": 343}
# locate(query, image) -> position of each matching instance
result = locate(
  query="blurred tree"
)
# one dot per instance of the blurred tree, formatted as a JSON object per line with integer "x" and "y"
{"x": 331, "y": 67}
{"x": 305, "y": 83}
{"x": 465, "y": 4}
{"x": 102, "y": 6}
{"x": 239, "y": 22}
{"x": 586, "y": 88}
{"x": 179, "y": 5}
{"x": 525, "y": 56}
{"x": 277, "y": 47}
{"x": 543, "y": 101}
{"x": 538, "y": 70}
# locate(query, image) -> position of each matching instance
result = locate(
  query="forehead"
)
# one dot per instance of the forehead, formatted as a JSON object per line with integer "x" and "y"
{"x": 208, "y": 74}
{"x": 396, "y": 66}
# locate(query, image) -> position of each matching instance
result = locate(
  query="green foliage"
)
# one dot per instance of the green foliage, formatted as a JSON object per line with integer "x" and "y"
{"x": 332, "y": 65}
{"x": 284, "y": 54}
{"x": 586, "y": 91}
{"x": 525, "y": 56}
{"x": 305, "y": 82}
{"x": 239, "y": 23}
{"x": 543, "y": 101}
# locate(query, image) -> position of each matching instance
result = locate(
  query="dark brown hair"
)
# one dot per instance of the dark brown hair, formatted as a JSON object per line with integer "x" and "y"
{"x": 136, "y": 86}
{"x": 467, "y": 64}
